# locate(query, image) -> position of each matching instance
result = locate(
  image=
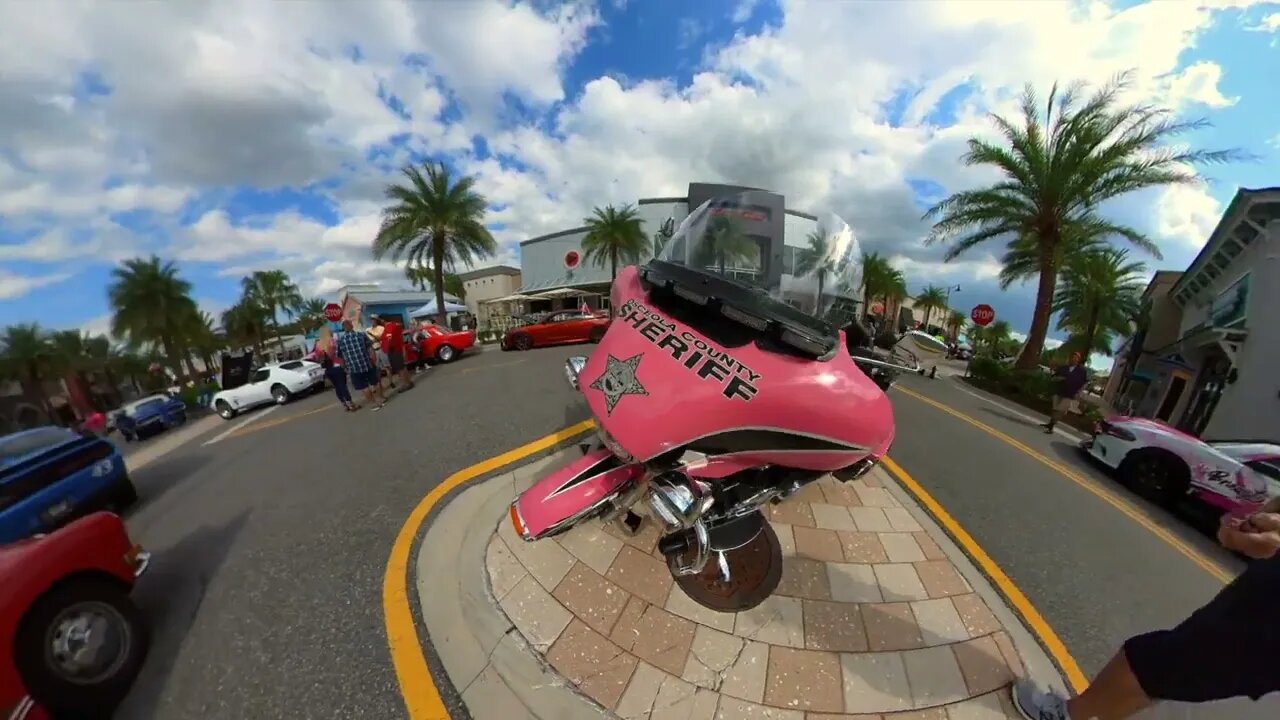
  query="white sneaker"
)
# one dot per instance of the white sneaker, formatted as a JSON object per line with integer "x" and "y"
{"x": 1034, "y": 703}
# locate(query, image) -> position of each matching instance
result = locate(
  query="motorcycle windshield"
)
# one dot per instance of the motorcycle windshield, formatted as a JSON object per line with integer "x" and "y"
{"x": 807, "y": 281}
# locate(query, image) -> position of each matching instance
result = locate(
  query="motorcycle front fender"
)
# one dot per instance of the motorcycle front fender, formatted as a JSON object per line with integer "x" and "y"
{"x": 585, "y": 488}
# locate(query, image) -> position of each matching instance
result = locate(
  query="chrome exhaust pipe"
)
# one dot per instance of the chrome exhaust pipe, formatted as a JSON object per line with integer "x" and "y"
{"x": 572, "y": 368}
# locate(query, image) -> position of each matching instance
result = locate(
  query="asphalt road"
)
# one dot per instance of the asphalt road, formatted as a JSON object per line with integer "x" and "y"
{"x": 270, "y": 543}
{"x": 1096, "y": 575}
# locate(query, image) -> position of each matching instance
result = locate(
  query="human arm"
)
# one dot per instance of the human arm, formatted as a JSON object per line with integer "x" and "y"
{"x": 1257, "y": 536}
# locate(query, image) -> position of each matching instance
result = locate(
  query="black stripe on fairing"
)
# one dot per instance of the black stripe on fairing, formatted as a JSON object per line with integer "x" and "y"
{"x": 742, "y": 440}
{"x": 604, "y": 465}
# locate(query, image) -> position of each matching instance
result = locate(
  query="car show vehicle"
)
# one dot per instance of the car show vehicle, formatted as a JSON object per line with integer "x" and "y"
{"x": 562, "y": 327}
{"x": 275, "y": 383}
{"x": 150, "y": 416}
{"x": 1168, "y": 465}
{"x": 716, "y": 394}
{"x": 441, "y": 345}
{"x": 52, "y": 475}
{"x": 71, "y": 640}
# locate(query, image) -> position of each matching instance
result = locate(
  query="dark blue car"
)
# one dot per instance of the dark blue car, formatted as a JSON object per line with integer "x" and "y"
{"x": 50, "y": 476}
{"x": 151, "y": 416}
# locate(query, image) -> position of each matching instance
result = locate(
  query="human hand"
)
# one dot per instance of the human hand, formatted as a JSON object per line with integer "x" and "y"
{"x": 1256, "y": 536}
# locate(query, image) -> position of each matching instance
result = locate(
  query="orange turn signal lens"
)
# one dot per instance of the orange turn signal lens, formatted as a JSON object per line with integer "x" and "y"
{"x": 516, "y": 522}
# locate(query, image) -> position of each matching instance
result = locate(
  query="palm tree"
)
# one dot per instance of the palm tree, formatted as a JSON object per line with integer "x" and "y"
{"x": 27, "y": 355}
{"x": 1100, "y": 293}
{"x": 930, "y": 299}
{"x": 273, "y": 291}
{"x": 432, "y": 218}
{"x": 104, "y": 358}
{"x": 613, "y": 234}
{"x": 815, "y": 259}
{"x": 895, "y": 292}
{"x": 723, "y": 243}
{"x": 204, "y": 339}
{"x": 311, "y": 313}
{"x": 998, "y": 334}
{"x": 151, "y": 305}
{"x": 954, "y": 324}
{"x": 877, "y": 277}
{"x": 1059, "y": 167}
{"x": 244, "y": 324}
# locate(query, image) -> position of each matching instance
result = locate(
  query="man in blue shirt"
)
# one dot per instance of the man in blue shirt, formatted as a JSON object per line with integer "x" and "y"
{"x": 1071, "y": 380}
{"x": 357, "y": 358}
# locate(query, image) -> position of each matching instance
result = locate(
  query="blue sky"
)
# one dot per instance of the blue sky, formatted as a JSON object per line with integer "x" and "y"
{"x": 268, "y": 144}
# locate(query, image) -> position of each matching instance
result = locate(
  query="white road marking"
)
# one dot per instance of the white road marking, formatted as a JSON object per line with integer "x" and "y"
{"x": 1070, "y": 434}
{"x": 252, "y": 418}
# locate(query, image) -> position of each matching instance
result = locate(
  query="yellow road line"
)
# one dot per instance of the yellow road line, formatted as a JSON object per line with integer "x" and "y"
{"x": 421, "y": 697}
{"x": 255, "y": 427}
{"x": 1014, "y": 596}
{"x": 1115, "y": 501}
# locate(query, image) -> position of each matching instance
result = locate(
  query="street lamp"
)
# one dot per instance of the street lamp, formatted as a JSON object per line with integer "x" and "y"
{"x": 950, "y": 289}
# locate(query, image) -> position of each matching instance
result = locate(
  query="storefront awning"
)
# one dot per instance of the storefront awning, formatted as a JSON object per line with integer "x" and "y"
{"x": 510, "y": 298}
{"x": 562, "y": 293}
{"x": 1228, "y": 340}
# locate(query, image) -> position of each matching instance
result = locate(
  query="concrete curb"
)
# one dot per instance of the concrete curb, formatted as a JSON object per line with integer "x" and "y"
{"x": 489, "y": 664}
{"x": 1040, "y": 667}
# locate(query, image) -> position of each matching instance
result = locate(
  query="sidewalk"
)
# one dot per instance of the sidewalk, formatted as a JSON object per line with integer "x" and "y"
{"x": 878, "y": 615}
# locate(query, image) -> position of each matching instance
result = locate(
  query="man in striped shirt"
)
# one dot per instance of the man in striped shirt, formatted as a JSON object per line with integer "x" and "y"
{"x": 357, "y": 358}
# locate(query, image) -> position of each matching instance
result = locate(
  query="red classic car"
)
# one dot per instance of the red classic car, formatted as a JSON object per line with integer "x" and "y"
{"x": 441, "y": 345}
{"x": 557, "y": 328}
{"x": 72, "y": 641}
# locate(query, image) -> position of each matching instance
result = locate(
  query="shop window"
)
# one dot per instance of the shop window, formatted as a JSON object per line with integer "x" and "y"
{"x": 788, "y": 260}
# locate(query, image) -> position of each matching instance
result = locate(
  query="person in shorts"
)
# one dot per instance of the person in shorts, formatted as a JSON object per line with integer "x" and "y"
{"x": 1226, "y": 649}
{"x": 356, "y": 357}
{"x": 1071, "y": 380}
{"x": 393, "y": 345}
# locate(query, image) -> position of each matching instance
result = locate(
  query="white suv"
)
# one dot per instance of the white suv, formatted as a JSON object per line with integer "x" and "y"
{"x": 276, "y": 383}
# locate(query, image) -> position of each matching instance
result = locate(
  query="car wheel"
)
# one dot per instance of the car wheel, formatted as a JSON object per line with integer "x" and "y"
{"x": 124, "y": 495}
{"x": 1157, "y": 476}
{"x": 80, "y": 647}
{"x": 445, "y": 353}
{"x": 280, "y": 394}
{"x": 596, "y": 335}
{"x": 224, "y": 409}
{"x": 522, "y": 342}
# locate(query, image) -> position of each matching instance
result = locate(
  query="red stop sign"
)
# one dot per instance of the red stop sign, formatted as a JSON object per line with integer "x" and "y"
{"x": 982, "y": 315}
{"x": 333, "y": 312}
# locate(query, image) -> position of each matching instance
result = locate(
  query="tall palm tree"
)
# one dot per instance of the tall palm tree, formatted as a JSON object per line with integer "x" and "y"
{"x": 894, "y": 293}
{"x": 273, "y": 291}
{"x": 998, "y": 334}
{"x": 434, "y": 220}
{"x": 311, "y": 313}
{"x": 722, "y": 244}
{"x": 203, "y": 339}
{"x": 1059, "y": 165}
{"x": 105, "y": 359}
{"x": 613, "y": 234}
{"x": 27, "y": 355}
{"x": 954, "y": 324}
{"x": 1100, "y": 293}
{"x": 877, "y": 277}
{"x": 151, "y": 305}
{"x": 815, "y": 259}
{"x": 930, "y": 299}
{"x": 245, "y": 324}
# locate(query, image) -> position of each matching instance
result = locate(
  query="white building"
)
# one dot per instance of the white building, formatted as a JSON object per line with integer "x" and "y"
{"x": 554, "y": 261}
{"x": 1221, "y": 377}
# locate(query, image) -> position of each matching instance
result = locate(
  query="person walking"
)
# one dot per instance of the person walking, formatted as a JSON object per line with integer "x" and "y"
{"x": 1226, "y": 649}
{"x": 393, "y": 347}
{"x": 1072, "y": 378}
{"x": 326, "y": 353}
{"x": 357, "y": 359}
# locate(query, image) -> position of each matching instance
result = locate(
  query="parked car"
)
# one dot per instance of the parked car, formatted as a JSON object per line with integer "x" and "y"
{"x": 73, "y": 641}
{"x": 1167, "y": 465}
{"x": 557, "y": 328}
{"x": 51, "y": 475}
{"x": 150, "y": 416}
{"x": 442, "y": 345}
{"x": 276, "y": 383}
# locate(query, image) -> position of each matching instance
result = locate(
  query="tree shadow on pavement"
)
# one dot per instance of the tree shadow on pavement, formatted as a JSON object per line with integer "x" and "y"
{"x": 169, "y": 596}
{"x": 156, "y": 478}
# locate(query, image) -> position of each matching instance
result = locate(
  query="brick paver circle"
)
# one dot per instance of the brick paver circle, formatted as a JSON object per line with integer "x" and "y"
{"x": 871, "y": 620}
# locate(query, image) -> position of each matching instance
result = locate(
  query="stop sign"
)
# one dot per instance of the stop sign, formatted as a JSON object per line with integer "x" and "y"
{"x": 982, "y": 315}
{"x": 333, "y": 312}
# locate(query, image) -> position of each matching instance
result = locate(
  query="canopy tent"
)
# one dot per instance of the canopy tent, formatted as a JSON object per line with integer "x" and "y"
{"x": 430, "y": 309}
{"x": 510, "y": 298}
{"x": 561, "y": 293}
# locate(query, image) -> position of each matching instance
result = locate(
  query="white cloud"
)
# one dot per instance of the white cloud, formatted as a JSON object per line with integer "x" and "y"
{"x": 208, "y": 97}
{"x": 14, "y": 286}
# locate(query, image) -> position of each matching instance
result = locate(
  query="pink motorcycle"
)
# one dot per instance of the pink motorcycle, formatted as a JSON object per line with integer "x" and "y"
{"x": 725, "y": 382}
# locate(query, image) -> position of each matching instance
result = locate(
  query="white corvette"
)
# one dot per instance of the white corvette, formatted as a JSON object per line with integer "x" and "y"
{"x": 276, "y": 383}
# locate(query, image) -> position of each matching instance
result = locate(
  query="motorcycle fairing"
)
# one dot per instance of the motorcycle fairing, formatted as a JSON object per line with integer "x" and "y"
{"x": 655, "y": 385}
{"x": 584, "y": 484}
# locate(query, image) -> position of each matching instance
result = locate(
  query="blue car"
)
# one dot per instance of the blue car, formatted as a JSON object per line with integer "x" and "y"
{"x": 150, "y": 416}
{"x": 50, "y": 476}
